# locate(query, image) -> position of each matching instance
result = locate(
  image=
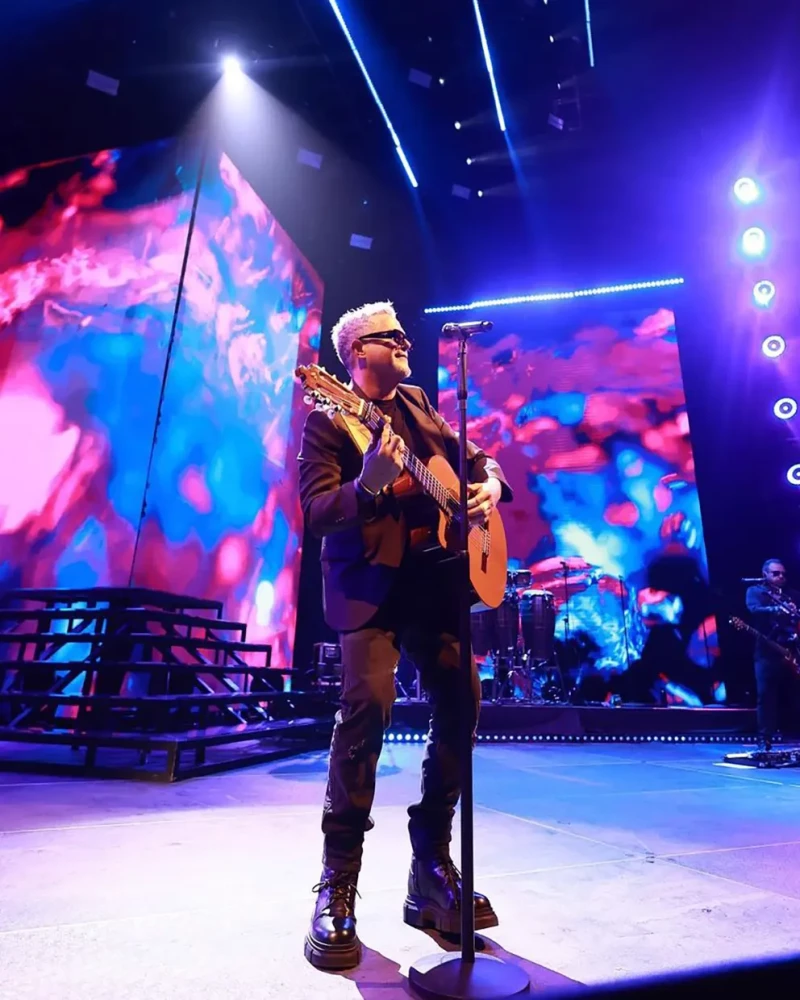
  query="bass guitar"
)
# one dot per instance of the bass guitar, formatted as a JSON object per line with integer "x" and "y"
{"x": 488, "y": 552}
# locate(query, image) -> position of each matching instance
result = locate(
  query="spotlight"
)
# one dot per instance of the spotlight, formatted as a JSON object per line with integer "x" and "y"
{"x": 458, "y": 126}
{"x": 785, "y": 408}
{"x": 793, "y": 475}
{"x": 552, "y": 38}
{"x": 746, "y": 190}
{"x": 469, "y": 161}
{"x": 441, "y": 81}
{"x": 773, "y": 346}
{"x": 231, "y": 65}
{"x": 754, "y": 242}
{"x": 763, "y": 293}
{"x": 480, "y": 194}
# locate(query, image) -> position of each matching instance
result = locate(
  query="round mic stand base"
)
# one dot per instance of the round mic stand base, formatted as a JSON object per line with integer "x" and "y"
{"x": 447, "y": 975}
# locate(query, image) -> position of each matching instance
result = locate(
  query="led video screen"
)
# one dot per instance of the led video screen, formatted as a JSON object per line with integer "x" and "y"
{"x": 140, "y": 446}
{"x": 586, "y": 413}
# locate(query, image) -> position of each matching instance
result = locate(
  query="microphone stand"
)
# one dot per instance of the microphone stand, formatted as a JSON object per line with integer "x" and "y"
{"x": 464, "y": 975}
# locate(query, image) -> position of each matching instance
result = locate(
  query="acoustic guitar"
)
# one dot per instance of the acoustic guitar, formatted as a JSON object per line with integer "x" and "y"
{"x": 788, "y": 656}
{"x": 488, "y": 552}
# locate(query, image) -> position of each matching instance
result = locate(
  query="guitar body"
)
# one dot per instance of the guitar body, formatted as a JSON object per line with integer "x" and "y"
{"x": 488, "y": 550}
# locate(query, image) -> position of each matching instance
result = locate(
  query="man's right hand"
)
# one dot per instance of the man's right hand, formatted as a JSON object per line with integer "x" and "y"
{"x": 383, "y": 460}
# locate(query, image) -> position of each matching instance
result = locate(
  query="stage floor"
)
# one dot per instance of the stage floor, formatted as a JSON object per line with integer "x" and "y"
{"x": 603, "y": 863}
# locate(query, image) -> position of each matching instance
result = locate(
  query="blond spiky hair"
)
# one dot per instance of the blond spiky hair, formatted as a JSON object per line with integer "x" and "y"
{"x": 354, "y": 324}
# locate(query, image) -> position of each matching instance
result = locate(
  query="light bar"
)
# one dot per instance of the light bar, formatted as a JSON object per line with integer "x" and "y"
{"x": 400, "y": 736}
{"x": 589, "y": 41}
{"x": 374, "y": 92}
{"x": 490, "y": 68}
{"x": 580, "y": 293}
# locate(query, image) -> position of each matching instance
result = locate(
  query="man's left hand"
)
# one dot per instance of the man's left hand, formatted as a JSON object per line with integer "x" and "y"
{"x": 483, "y": 498}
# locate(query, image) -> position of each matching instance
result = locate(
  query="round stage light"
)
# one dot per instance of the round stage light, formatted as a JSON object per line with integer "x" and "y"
{"x": 746, "y": 190}
{"x": 785, "y": 408}
{"x": 458, "y": 126}
{"x": 773, "y": 346}
{"x": 480, "y": 194}
{"x": 793, "y": 475}
{"x": 754, "y": 242}
{"x": 469, "y": 161}
{"x": 231, "y": 65}
{"x": 763, "y": 293}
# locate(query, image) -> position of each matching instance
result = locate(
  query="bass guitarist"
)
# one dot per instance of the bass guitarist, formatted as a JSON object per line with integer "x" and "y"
{"x": 774, "y": 615}
{"x": 381, "y": 594}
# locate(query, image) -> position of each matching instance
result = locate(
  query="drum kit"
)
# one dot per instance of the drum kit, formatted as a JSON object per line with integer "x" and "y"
{"x": 515, "y": 645}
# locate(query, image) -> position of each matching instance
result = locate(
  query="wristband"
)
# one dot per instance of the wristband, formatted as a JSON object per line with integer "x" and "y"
{"x": 361, "y": 488}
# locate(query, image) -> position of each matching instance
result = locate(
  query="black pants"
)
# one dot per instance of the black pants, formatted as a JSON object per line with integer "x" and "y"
{"x": 421, "y": 617}
{"x": 778, "y": 697}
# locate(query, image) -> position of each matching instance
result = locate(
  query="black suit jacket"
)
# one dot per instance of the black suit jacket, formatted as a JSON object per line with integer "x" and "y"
{"x": 363, "y": 544}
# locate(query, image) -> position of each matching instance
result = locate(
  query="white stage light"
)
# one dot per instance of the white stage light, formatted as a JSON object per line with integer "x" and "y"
{"x": 793, "y": 475}
{"x": 746, "y": 190}
{"x": 773, "y": 346}
{"x": 754, "y": 242}
{"x": 785, "y": 408}
{"x": 763, "y": 293}
{"x": 231, "y": 65}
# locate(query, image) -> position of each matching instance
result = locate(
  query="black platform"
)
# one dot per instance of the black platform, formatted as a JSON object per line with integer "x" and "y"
{"x": 131, "y": 678}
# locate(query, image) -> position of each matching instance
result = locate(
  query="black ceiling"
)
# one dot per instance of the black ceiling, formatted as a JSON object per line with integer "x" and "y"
{"x": 679, "y": 88}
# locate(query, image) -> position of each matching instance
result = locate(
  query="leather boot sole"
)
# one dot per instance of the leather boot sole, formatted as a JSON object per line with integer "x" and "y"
{"x": 425, "y": 913}
{"x": 334, "y": 958}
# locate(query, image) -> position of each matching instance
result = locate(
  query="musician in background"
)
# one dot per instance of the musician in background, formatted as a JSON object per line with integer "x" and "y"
{"x": 774, "y": 615}
{"x": 380, "y": 595}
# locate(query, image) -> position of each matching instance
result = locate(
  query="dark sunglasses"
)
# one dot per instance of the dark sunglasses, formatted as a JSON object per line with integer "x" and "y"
{"x": 396, "y": 336}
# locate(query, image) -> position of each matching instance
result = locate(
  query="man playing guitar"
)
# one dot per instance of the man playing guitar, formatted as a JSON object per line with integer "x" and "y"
{"x": 381, "y": 594}
{"x": 775, "y": 616}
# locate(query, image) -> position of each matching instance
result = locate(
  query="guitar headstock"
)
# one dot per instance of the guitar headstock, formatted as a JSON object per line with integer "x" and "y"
{"x": 326, "y": 392}
{"x": 738, "y": 623}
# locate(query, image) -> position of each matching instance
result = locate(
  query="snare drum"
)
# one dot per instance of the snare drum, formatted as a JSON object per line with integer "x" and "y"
{"x": 538, "y": 616}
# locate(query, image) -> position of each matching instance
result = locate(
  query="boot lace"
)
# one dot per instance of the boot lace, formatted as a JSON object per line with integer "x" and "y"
{"x": 340, "y": 885}
{"x": 452, "y": 874}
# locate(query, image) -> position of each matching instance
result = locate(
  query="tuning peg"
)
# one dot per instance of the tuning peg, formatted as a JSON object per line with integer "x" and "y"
{"x": 308, "y": 400}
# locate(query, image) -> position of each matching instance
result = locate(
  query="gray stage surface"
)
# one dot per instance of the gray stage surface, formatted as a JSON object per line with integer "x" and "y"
{"x": 603, "y": 863}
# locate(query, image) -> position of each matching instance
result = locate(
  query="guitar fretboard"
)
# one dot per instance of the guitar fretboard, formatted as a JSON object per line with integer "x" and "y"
{"x": 444, "y": 498}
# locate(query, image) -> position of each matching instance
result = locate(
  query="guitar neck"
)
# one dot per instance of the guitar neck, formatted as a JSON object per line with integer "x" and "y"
{"x": 421, "y": 474}
{"x": 770, "y": 642}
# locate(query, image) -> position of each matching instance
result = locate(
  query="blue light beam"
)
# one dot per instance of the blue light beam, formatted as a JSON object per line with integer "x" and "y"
{"x": 489, "y": 67}
{"x": 589, "y": 41}
{"x": 401, "y": 154}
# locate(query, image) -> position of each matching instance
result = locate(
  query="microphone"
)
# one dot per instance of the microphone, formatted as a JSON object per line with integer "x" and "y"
{"x": 466, "y": 329}
{"x": 752, "y": 579}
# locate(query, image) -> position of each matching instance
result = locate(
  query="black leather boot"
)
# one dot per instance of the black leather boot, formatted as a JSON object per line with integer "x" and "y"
{"x": 332, "y": 942}
{"x": 434, "y": 898}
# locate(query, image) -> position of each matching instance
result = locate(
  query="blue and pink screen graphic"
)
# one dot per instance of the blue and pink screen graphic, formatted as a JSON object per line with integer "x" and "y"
{"x": 124, "y": 460}
{"x": 587, "y": 416}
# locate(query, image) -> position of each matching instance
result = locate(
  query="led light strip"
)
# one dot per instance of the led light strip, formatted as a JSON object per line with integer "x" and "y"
{"x": 515, "y": 300}
{"x": 490, "y": 68}
{"x": 416, "y": 737}
{"x": 374, "y": 92}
